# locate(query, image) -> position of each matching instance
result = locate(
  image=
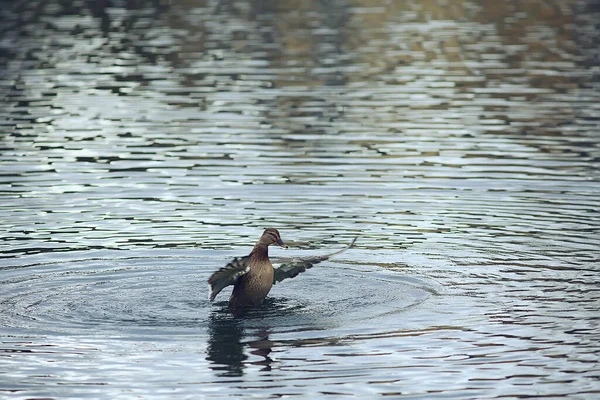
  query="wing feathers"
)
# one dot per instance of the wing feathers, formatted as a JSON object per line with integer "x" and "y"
{"x": 293, "y": 268}
{"x": 228, "y": 275}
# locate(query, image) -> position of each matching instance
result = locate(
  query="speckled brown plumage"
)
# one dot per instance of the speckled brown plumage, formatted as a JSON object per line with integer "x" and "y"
{"x": 253, "y": 276}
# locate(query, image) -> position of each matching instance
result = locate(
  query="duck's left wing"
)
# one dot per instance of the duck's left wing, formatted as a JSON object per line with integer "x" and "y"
{"x": 228, "y": 275}
{"x": 296, "y": 266}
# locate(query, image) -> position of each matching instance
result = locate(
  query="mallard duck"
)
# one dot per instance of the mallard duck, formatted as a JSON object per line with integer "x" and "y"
{"x": 253, "y": 276}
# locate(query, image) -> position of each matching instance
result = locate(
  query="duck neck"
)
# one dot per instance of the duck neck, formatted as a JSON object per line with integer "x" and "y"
{"x": 261, "y": 251}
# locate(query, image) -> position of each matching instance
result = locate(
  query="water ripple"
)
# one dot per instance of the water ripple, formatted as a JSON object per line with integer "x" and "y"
{"x": 133, "y": 295}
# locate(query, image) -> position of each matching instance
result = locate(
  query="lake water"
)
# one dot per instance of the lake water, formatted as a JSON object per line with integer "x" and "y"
{"x": 143, "y": 144}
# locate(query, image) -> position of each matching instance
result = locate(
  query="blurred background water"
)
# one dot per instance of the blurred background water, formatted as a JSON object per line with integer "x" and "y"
{"x": 145, "y": 143}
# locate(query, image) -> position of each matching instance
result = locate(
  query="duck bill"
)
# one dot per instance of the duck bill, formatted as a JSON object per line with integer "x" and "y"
{"x": 281, "y": 244}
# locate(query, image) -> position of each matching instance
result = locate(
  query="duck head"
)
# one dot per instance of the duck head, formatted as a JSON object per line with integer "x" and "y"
{"x": 271, "y": 236}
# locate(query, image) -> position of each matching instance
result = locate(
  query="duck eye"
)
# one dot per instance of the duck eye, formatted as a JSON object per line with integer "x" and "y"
{"x": 274, "y": 235}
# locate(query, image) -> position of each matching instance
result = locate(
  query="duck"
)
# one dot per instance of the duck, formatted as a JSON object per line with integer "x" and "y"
{"x": 253, "y": 276}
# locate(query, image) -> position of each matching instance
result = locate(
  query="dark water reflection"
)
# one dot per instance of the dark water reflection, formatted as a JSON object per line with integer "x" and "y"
{"x": 144, "y": 143}
{"x": 225, "y": 346}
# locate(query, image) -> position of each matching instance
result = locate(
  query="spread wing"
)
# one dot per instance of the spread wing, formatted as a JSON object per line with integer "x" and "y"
{"x": 296, "y": 266}
{"x": 228, "y": 275}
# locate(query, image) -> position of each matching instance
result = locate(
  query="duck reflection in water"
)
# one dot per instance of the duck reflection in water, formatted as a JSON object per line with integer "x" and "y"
{"x": 227, "y": 349}
{"x": 253, "y": 276}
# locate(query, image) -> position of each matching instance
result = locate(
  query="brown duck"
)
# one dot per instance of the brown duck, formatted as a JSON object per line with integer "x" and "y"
{"x": 253, "y": 276}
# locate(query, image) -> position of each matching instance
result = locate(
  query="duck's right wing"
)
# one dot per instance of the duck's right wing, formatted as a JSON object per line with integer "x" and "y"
{"x": 228, "y": 275}
{"x": 296, "y": 266}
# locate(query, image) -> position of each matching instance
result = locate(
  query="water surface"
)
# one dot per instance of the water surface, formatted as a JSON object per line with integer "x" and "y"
{"x": 144, "y": 144}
